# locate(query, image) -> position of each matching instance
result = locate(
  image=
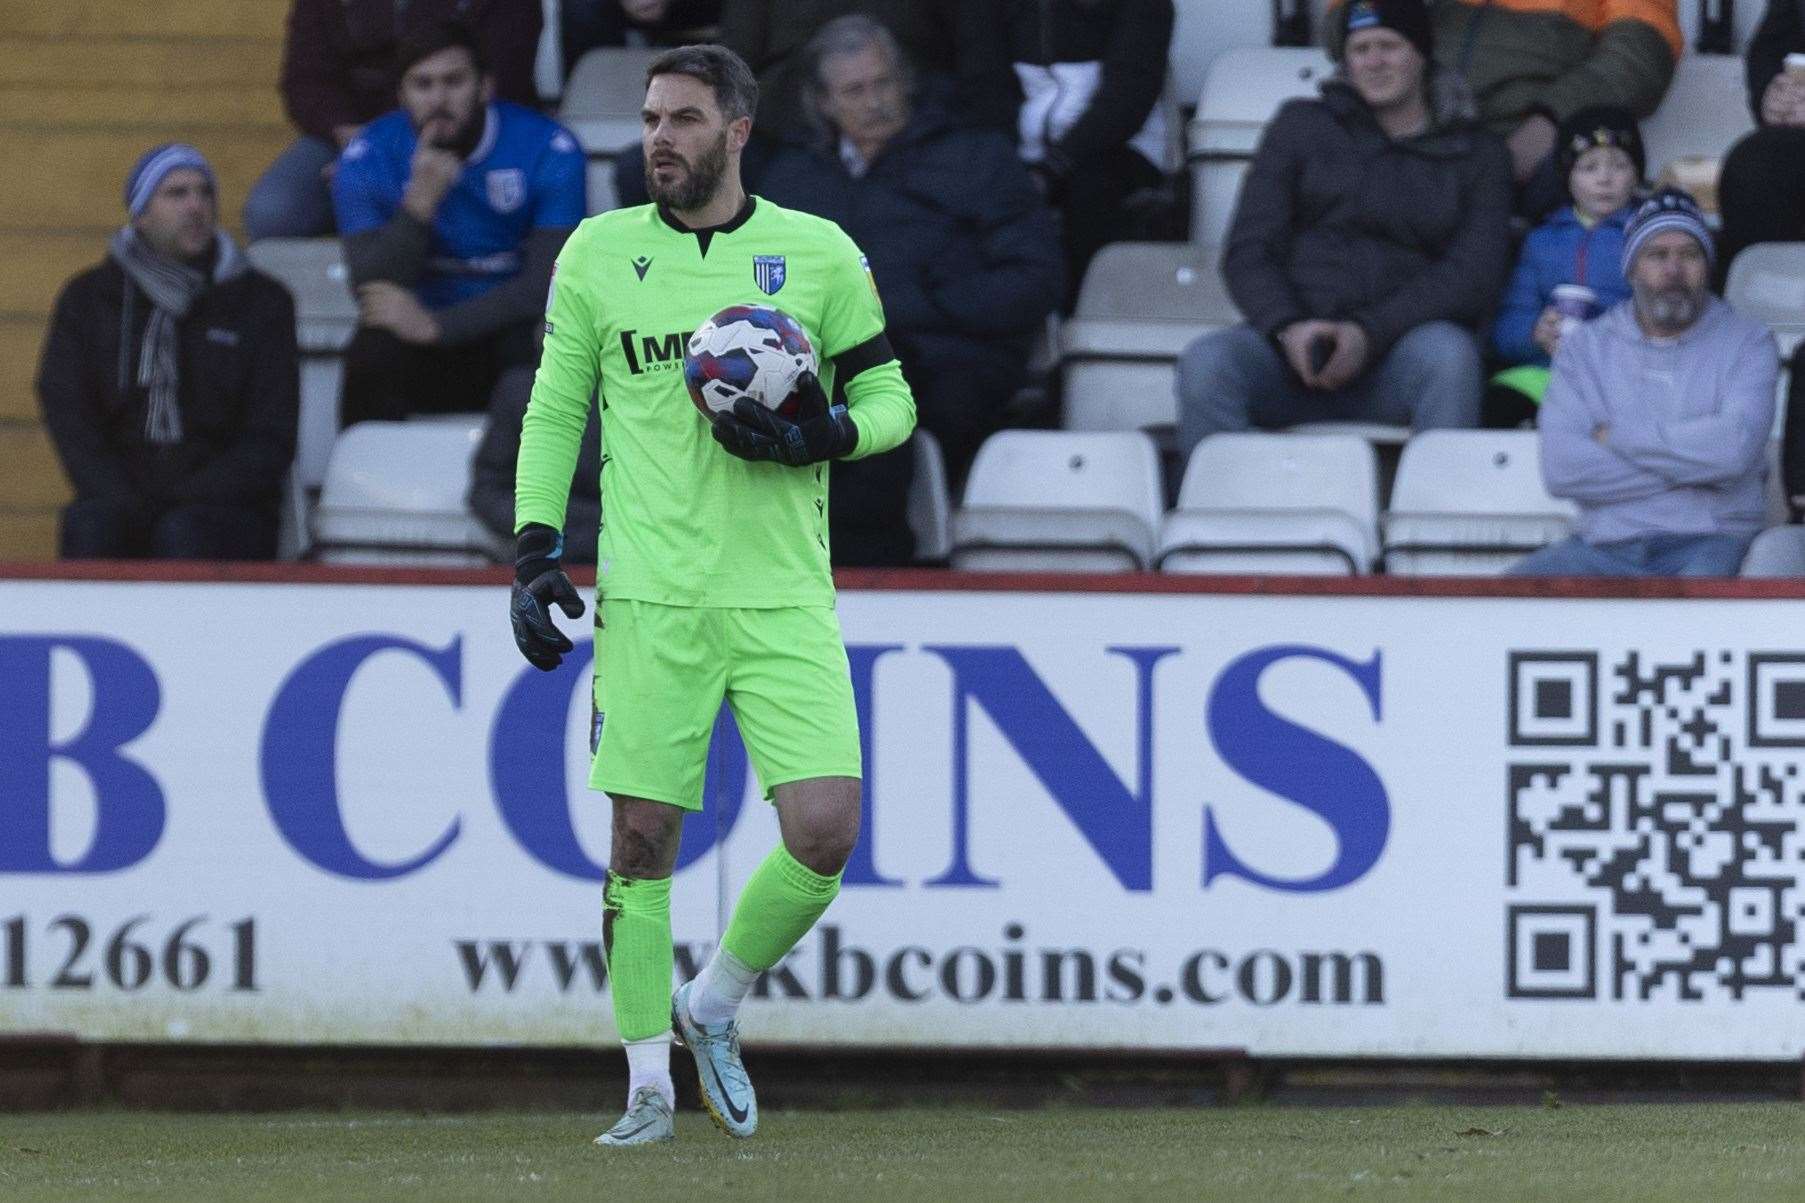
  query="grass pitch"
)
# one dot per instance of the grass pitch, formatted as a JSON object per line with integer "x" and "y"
{"x": 1679, "y": 1152}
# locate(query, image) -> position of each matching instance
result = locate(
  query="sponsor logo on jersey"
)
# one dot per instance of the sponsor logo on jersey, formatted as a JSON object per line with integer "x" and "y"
{"x": 507, "y": 189}
{"x": 768, "y": 273}
{"x": 653, "y": 352}
{"x": 641, "y": 266}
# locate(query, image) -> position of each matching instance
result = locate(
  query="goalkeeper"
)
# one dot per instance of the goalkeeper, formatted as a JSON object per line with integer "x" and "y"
{"x": 712, "y": 578}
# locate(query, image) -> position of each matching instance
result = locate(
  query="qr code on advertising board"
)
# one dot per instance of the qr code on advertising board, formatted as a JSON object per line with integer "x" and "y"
{"x": 1657, "y": 826}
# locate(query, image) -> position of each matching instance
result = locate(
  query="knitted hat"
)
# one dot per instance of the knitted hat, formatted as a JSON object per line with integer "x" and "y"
{"x": 1410, "y": 18}
{"x": 156, "y": 164}
{"x": 1668, "y": 209}
{"x": 1600, "y": 125}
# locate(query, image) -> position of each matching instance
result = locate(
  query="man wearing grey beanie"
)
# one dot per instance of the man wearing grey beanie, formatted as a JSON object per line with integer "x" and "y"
{"x": 1656, "y": 422}
{"x": 169, "y": 381}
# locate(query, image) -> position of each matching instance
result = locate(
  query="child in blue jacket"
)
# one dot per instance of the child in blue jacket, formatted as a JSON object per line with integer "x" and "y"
{"x": 1600, "y": 153}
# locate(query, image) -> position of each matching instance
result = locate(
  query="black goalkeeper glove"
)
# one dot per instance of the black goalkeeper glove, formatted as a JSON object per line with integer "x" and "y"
{"x": 821, "y": 431}
{"x": 539, "y": 581}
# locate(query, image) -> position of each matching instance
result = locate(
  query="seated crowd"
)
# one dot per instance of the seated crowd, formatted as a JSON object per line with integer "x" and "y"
{"x": 980, "y": 152}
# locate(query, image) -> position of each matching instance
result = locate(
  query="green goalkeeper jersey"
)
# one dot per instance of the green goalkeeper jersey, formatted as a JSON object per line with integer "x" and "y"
{"x": 683, "y": 522}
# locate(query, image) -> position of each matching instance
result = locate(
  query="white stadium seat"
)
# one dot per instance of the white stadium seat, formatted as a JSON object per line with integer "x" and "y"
{"x": 1282, "y": 503}
{"x": 313, "y": 270}
{"x": 930, "y": 505}
{"x": 1245, "y": 87}
{"x": 601, "y": 107}
{"x": 1048, "y": 500}
{"x": 1140, "y": 305}
{"x": 1777, "y": 551}
{"x": 1704, "y": 112}
{"x": 604, "y": 95}
{"x": 1470, "y": 503}
{"x": 395, "y": 494}
{"x": 1767, "y": 283}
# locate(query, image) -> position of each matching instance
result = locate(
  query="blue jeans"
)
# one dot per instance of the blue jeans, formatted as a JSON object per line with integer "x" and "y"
{"x": 1234, "y": 379}
{"x": 291, "y": 199}
{"x": 1655, "y": 555}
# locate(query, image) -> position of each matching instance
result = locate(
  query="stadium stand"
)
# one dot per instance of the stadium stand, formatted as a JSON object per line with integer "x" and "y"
{"x": 84, "y": 89}
{"x": 1141, "y": 304}
{"x": 1299, "y": 504}
{"x": 1470, "y": 502}
{"x": 1060, "y": 501}
{"x": 601, "y": 107}
{"x": 394, "y": 494}
{"x": 1243, "y": 90}
{"x": 930, "y": 506}
{"x": 313, "y": 271}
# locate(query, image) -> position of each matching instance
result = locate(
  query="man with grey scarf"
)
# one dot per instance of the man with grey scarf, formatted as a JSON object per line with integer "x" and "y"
{"x": 169, "y": 382}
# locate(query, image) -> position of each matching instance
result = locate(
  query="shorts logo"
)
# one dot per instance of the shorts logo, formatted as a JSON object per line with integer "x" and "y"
{"x": 507, "y": 189}
{"x": 768, "y": 273}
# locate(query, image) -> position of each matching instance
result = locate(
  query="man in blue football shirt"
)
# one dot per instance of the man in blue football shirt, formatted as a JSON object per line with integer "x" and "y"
{"x": 453, "y": 209}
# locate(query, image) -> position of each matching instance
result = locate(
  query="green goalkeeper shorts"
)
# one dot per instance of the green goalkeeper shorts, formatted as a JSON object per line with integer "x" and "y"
{"x": 661, "y": 673}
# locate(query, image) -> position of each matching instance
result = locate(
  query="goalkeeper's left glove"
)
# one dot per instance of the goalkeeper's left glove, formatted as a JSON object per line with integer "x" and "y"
{"x": 539, "y": 583}
{"x": 821, "y": 431}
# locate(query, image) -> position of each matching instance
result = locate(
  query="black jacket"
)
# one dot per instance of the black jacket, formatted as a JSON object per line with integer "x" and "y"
{"x": 239, "y": 397}
{"x": 1337, "y": 221}
{"x": 492, "y": 473}
{"x": 1782, "y": 32}
{"x": 964, "y": 252}
{"x": 1130, "y": 40}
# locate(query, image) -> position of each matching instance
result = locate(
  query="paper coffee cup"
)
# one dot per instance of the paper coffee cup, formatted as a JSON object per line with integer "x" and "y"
{"x": 1576, "y": 304}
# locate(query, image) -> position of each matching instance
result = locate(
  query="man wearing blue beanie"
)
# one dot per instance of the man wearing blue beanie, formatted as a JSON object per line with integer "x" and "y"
{"x": 1656, "y": 421}
{"x": 169, "y": 381}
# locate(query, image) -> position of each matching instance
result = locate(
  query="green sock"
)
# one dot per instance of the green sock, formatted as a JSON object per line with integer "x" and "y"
{"x": 776, "y": 909}
{"x": 636, "y": 939}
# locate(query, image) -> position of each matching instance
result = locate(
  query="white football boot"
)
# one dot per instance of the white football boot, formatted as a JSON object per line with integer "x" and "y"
{"x": 726, "y": 1090}
{"x": 648, "y": 1121}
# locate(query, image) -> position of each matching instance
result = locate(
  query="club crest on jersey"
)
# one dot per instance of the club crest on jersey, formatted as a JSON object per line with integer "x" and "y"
{"x": 507, "y": 189}
{"x": 768, "y": 273}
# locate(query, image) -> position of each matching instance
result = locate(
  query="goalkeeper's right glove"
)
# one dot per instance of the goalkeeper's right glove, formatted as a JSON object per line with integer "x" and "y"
{"x": 539, "y": 581}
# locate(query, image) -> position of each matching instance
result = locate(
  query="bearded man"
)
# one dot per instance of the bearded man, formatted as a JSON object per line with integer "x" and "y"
{"x": 1656, "y": 421}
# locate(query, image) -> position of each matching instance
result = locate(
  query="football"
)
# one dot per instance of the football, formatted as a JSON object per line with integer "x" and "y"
{"x": 747, "y": 351}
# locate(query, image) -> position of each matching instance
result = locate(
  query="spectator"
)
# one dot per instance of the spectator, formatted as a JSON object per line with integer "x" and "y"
{"x": 492, "y": 471}
{"x": 963, "y": 249}
{"x": 1370, "y": 241}
{"x": 1531, "y": 64}
{"x": 453, "y": 210}
{"x": 1657, "y": 419}
{"x": 1578, "y": 251}
{"x": 587, "y": 24}
{"x": 169, "y": 382}
{"x": 339, "y": 71}
{"x": 1091, "y": 74}
{"x": 1764, "y": 174}
{"x": 955, "y": 48}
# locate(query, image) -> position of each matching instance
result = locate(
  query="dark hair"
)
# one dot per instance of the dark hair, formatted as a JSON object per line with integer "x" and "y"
{"x": 726, "y": 74}
{"x": 427, "y": 41}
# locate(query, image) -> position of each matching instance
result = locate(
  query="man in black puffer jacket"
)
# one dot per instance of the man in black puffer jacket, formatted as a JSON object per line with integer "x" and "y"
{"x": 1371, "y": 240}
{"x": 961, "y": 247}
{"x": 169, "y": 382}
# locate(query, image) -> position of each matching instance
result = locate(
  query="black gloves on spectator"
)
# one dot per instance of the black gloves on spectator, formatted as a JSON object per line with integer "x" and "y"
{"x": 821, "y": 431}
{"x": 539, "y": 581}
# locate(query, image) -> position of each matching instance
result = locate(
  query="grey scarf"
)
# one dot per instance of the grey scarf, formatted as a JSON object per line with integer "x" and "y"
{"x": 172, "y": 288}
